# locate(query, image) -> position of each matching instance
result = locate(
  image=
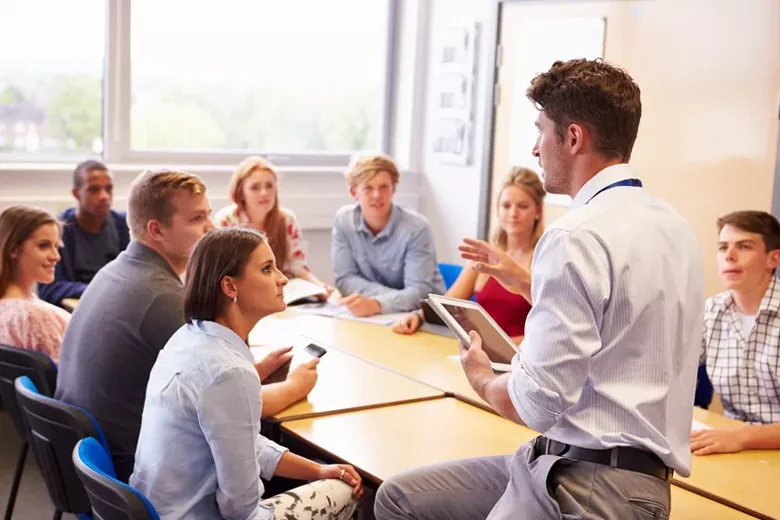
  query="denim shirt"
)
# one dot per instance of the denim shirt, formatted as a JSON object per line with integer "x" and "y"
{"x": 200, "y": 455}
{"x": 397, "y": 267}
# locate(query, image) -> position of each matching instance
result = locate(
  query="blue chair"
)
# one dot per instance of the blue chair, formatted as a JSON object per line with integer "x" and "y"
{"x": 17, "y": 362}
{"x": 111, "y": 499}
{"x": 450, "y": 273}
{"x": 54, "y": 429}
{"x": 704, "y": 390}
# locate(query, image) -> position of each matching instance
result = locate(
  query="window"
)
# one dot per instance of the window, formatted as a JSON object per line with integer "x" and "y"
{"x": 51, "y": 75}
{"x": 305, "y": 82}
{"x": 293, "y": 76}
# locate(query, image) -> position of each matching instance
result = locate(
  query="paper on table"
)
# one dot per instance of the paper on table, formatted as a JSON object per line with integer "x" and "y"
{"x": 298, "y": 289}
{"x": 698, "y": 425}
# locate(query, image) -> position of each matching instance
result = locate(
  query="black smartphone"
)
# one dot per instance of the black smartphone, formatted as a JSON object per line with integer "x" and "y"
{"x": 299, "y": 356}
{"x": 314, "y": 350}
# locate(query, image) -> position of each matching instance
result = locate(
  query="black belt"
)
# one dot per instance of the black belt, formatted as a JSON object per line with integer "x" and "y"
{"x": 622, "y": 457}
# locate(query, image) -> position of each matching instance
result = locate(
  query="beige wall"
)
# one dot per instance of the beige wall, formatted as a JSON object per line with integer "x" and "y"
{"x": 710, "y": 78}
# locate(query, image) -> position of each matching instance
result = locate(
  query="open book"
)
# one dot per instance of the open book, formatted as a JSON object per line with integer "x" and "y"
{"x": 298, "y": 290}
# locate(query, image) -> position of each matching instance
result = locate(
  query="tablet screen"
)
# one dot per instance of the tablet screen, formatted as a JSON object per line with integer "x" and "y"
{"x": 493, "y": 343}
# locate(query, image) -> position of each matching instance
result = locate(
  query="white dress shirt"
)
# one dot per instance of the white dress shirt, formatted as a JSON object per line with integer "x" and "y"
{"x": 612, "y": 342}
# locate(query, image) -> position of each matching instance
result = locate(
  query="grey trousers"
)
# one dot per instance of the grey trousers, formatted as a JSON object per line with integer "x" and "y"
{"x": 522, "y": 486}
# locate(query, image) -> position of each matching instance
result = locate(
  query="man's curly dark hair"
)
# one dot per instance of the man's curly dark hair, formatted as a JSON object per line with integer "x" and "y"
{"x": 599, "y": 96}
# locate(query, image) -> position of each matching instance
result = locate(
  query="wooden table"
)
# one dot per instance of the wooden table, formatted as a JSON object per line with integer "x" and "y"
{"x": 421, "y": 356}
{"x": 349, "y": 383}
{"x": 385, "y": 441}
{"x": 69, "y": 304}
{"x": 748, "y": 480}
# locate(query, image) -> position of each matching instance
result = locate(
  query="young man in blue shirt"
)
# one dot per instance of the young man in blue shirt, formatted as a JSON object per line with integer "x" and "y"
{"x": 384, "y": 258}
{"x": 93, "y": 234}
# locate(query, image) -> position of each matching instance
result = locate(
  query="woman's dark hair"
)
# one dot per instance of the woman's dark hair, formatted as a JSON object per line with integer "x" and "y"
{"x": 17, "y": 224}
{"x": 219, "y": 253}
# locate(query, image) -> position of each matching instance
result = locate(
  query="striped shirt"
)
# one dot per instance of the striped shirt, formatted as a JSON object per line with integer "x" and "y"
{"x": 612, "y": 342}
{"x": 744, "y": 365}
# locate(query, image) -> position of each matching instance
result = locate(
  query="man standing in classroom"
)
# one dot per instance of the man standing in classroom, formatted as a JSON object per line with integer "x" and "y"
{"x": 608, "y": 365}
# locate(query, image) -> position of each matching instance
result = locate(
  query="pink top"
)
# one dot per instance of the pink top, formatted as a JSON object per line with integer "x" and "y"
{"x": 33, "y": 324}
{"x": 295, "y": 264}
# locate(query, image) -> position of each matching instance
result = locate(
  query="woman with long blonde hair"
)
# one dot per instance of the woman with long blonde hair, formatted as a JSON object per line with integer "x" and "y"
{"x": 519, "y": 227}
{"x": 254, "y": 191}
{"x": 29, "y": 238}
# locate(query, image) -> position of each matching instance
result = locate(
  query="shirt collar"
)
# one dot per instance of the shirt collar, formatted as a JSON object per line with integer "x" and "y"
{"x": 386, "y": 231}
{"x": 769, "y": 303}
{"x": 607, "y": 176}
{"x": 212, "y": 328}
{"x": 146, "y": 254}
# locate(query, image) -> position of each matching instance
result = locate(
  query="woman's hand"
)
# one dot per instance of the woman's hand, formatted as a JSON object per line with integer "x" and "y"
{"x": 304, "y": 377}
{"x": 270, "y": 363}
{"x": 328, "y": 291}
{"x": 408, "y": 324}
{"x": 493, "y": 262}
{"x": 345, "y": 473}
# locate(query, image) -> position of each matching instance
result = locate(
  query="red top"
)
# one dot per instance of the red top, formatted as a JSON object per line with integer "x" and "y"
{"x": 508, "y": 309}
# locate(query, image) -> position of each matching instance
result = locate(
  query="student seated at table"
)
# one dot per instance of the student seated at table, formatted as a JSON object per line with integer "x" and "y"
{"x": 29, "y": 238}
{"x": 199, "y": 453}
{"x": 741, "y": 344}
{"x": 383, "y": 254}
{"x": 254, "y": 190}
{"x": 93, "y": 234}
{"x": 132, "y": 308}
{"x": 520, "y": 214}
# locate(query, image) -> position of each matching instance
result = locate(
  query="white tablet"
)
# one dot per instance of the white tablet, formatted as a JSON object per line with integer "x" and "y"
{"x": 463, "y": 316}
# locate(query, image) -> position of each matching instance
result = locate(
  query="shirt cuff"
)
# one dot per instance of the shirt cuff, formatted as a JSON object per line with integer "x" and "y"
{"x": 268, "y": 457}
{"x": 392, "y": 303}
{"x": 522, "y": 392}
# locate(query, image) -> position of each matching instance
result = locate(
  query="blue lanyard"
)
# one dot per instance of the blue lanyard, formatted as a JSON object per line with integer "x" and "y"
{"x": 634, "y": 183}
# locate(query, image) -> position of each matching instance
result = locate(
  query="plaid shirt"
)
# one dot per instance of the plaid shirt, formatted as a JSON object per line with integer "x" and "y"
{"x": 745, "y": 371}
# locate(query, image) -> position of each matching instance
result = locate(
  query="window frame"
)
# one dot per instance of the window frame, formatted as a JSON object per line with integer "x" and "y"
{"x": 117, "y": 103}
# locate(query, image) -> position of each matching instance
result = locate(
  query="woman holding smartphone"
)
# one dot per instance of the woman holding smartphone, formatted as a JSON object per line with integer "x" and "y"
{"x": 520, "y": 217}
{"x": 199, "y": 454}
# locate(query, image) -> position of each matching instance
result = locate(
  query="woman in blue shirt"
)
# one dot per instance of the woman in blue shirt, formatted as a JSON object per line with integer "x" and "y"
{"x": 199, "y": 454}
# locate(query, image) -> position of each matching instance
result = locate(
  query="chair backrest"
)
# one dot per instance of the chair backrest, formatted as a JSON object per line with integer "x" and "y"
{"x": 704, "y": 390}
{"x": 17, "y": 362}
{"x": 450, "y": 273}
{"x": 111, "y": 499}
{"x": 54, "y": 429}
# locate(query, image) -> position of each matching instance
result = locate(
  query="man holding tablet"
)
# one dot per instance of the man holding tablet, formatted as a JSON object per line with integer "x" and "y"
{"x": 608, "y": 365}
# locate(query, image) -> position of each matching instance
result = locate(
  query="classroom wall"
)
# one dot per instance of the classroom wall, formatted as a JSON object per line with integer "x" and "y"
{"x": 451, "y": 194}
{"x": 710, "y": 79}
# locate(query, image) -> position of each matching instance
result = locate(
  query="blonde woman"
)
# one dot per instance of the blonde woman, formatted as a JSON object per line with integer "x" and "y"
{"x": 254, "y": 190}
{"x": 520, "y": 213}
{"x": 29, "y": 238}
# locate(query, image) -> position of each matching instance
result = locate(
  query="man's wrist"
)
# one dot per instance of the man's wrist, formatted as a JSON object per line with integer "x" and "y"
{"x": 481, "y": 383}
{"x": 745, "y": 436}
